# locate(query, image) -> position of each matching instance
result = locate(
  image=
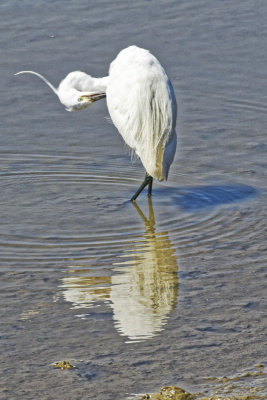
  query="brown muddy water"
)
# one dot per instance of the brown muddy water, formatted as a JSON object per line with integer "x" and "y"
{"x": 167, "y": 293}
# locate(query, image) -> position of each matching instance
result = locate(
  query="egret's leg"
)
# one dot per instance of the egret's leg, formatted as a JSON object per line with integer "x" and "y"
{"x": 147, "y": 181}
{"x": 149, "y": 191}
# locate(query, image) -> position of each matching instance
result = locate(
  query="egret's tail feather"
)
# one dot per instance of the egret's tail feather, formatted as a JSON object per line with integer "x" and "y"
{"x": 41, "y": 77}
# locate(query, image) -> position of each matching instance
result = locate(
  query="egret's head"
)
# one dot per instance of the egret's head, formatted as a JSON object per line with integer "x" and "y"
{"x": 75, "y": 100}
{"x": 77, "y": 91}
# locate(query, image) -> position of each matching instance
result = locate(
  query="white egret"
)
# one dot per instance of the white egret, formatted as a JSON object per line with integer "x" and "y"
{"x": 141, "y": 104}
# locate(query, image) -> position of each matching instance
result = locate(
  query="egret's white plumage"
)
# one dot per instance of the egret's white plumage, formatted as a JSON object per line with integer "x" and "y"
{"x": 141, "y": 104}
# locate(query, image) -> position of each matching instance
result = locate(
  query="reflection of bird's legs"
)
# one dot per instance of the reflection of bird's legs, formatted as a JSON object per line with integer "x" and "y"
{"x": 147, "y": 181}
{"x": 142, "y": 215}
{"x": 150, "y": 221}
{"x": 151, "y": 213}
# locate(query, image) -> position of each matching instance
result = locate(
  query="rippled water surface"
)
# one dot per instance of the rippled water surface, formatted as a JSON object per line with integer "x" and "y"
{"x": 165, "y": 292}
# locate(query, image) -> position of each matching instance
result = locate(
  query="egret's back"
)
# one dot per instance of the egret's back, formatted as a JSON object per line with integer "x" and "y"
{"x": 142, "y": 106}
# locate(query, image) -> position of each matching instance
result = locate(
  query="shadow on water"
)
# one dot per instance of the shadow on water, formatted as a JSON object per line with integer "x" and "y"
{"x": 198, "y": 198}
{"x": 141, "y": 287}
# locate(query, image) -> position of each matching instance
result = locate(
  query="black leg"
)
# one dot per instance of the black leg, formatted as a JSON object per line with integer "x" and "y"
{"x": 147, "y": 181}
{"x": 149, "y": 191}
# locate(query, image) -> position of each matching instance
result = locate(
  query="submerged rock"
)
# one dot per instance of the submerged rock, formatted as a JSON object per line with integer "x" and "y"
{"x": 170, "y": 393}
{"x": 63, "y": 365}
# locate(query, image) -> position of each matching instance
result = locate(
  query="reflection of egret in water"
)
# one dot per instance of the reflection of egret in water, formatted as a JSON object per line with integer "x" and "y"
{"x": 83, "y": 289}
{"x": 146, "y": 290}
{"x": 143, "y": 288}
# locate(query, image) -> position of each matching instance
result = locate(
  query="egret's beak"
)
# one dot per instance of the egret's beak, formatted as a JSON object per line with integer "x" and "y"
{"x": 91, "y": 98}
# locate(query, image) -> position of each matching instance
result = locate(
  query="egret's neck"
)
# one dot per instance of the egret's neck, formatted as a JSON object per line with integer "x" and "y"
{"x": 82, "y": 82}
{"x": 95, "y": 84}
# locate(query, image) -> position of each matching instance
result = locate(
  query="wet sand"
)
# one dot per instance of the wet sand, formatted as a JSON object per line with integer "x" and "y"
{"x": 167, "y": 293}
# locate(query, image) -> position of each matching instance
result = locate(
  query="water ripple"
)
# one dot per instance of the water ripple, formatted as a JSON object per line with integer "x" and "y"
{"x": 56, "y": 205}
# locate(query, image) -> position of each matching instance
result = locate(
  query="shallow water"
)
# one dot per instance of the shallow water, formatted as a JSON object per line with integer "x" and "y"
{"x": 167, "y": 292}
